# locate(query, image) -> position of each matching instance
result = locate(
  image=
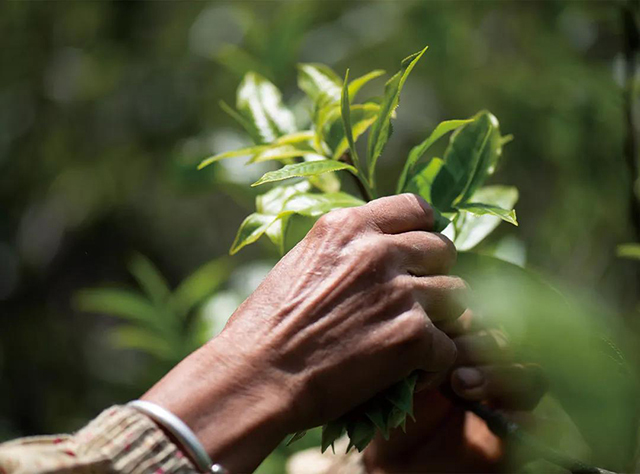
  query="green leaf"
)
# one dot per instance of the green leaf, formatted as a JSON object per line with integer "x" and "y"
{"x": 418, "y": 151}
{"x": 629, "y": 251}
{"x": 397, "y": 418}
{"x": 246, "y": 124}
{"x": 361, "y": 431}
{"x": 362, "y": 117}
{"x": 358, "y": 83}
{"x": 313, "y": 205}
{"x": 331, "y": 432}
{"x": 296, "y": 137}
{"x": 296, "y": 436}
{"x": 124, "y": 304}
{"x": 150, "y": 279}
{"x": 480, "y": 209}
{"x": 401, "y": 394}
{"x": 381, "y": 129}
{"x": 421, "y": 182}
{"x": 199, "y": 285}
{"x": 470, "y": 157}
{"x": 319, "y": 82}
{"x": 345, "y": 109}
{"x": 261, "y": 102}
{"x": 312, "y": 168}
{"x": 378, "y": 410}
{"x": 472, "y": 229}
{"x": 129, "y": 337}
{"x": 251, "y": 230}
{"x": 252, "y": 150}
{"x": 281, "y": 152}
{"x": 272, "y": 202}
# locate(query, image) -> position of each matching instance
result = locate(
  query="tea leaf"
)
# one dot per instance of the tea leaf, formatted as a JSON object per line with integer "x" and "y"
{"x": 252, "y": 150}
{"x": 379, "y": 410}
{"x": 422, "y": 180}
{"x": 251, "y": 230}
{"x": 261, "y": 102}
{"x": 345, "y": 110}
{"x": 480, "y": 209}
{"x": 245, "y": 123}
{"x": 362, "y": 117}
{"x": 361, "y": 431}
{"x": 282, "y": 152}
{"x": 296, "y": 436}
{"x": 629, "y": 251}
{"x": 358, "y": 83}
{"x": 401, "y": 394}
{"x": 331, "y": 432}
{"x": 124, "y": 304}
{"x": 380, "y": 131}
{"x": 470, "y": 157}
{"x": 313, "y": 205}
{"x": 319, "y": 82}
{"x": 150, "y": 279}
{"x": 418, "y": 151}
{"x": 473, "y": 229}
{"x": 200, "y": 284}
{"x": 311, "y": 168}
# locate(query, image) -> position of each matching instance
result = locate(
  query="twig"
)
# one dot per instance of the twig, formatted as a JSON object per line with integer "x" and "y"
{"x": 364, "y": 192}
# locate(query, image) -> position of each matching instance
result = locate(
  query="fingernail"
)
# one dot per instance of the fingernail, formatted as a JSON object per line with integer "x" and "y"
{"x": 469, "y": 378}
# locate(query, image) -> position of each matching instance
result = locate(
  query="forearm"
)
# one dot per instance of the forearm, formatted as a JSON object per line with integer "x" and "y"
{"x": 235, "y": 406}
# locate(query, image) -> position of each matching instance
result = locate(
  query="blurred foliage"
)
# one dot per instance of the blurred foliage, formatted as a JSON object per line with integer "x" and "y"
{"x": 107, "y": 107}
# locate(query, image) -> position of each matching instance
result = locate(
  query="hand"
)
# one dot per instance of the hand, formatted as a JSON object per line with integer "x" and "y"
{"x": 348, "y": 312}
{"x": 445, "y": 438}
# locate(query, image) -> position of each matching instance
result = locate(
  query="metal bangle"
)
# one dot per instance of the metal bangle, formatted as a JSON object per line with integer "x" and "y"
{"x": 182, "y": 432}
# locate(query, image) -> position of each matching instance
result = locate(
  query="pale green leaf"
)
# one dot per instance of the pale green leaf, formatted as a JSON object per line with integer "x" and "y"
{"x": 200, "y": 284}
{"x": 345, "y": 109}
{"x": 312, "y": 168}
{"x": 357, "y": 84}
{"x": 629, "y": 251}
{"x": 418, "y": 151}
{"x": 313, "y": 205}
{"x": 319, "y": 82}
{"x": 129, "y": 337}
{"x": 272, "y": 202}
{"x": 243, "y": 121}
{"x": 480, "y": 209}
{"x": 281, "y": 152}
{"x": 261, "y": 102}
{"x": 252, "y": 150}
{"x": 296, "y": 137}
{"x": 251, "y": 230}
{"x": 381, "y": 129}
{"x": 473, "y": 229}
{"x": 362, "y": 117}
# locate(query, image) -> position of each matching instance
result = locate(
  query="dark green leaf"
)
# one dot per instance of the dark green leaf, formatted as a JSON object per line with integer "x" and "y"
{"x": 331, "y": 432}
{"x": 421, "y": 182}
{"x": 312, "y": 168}
{"x": 401, "y": 394}
{"x": 150, "y": 279}
{"x": 296, "y": 436}
{"x": 361, "y": 431}
{"x": 381, "y": 129}
{"x": 470, "y": 157}
{"x": 418, "y": 151}
{"x": 378, "y": 410}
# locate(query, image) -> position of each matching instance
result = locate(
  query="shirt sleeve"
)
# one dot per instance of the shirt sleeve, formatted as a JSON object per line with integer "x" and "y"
{"x": 119, "y": 440}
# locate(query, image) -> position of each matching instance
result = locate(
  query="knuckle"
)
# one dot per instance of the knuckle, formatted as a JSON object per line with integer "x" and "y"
{"x": 339, "y": 220}
{"x": 373, "y": 248}
{"x": 420, "y": 205}
{"x": 448, "y": 248}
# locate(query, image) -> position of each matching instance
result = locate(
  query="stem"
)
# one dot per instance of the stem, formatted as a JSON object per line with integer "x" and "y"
{"x": 367, "y": 191}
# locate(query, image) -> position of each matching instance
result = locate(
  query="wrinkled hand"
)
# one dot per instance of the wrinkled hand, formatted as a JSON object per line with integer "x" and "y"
{"x": 349, "y": 311}
{"x": 445, "y": 438}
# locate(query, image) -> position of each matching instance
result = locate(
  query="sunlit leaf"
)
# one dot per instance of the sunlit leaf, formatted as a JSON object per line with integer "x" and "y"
{"x": 381, "y": 129}
{"x": 251, "y": 230}
{"x": 474, "y": 229}
{"x": 629, "y": 251}
{"x": 281, "y": 152}
{"x": 480, "y": 209}
{"x": 314, "y": 205}
{"x": 345, "y": 110}
{"x": 261, "y": 102}
{"x": 249, "y": 151}
{"x": 296, "y": 137}
{"x": 362, "y": 117}
{"x": 319, "y": 82}
{"x": 248, "y": 125}
{"x": 418, "y": 151}
{"x": 312, "y": 168}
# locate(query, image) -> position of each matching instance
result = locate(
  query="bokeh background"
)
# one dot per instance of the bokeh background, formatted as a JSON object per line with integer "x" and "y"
{"x": 107, "y": 107}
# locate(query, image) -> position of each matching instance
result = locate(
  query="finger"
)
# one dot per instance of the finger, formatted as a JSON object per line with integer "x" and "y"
{"x": 517, "y": 386}
{"x": 441, "y": 351}
{"x": 442, "y": 297}
{"x": 430, "y": 380}
{"x": 425, "y": 253}
{"x": 484, "y": 347}
{"x": 401, "y": 213}
{"x": 468, "y": 323}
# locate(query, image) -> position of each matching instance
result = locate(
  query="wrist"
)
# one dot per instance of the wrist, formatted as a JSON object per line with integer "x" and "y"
{"x": 231, "y": 400}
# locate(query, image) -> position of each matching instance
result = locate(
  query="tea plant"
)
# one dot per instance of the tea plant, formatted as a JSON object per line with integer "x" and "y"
{"x": 453, "y": 184}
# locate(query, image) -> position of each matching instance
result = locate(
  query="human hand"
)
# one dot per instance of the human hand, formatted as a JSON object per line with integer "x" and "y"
{"x": 348, "y": 312}
{"x": 446, "y": 438}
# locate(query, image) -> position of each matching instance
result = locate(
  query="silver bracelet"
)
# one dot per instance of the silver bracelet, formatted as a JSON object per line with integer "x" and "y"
{"x": 182, "y": 432}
